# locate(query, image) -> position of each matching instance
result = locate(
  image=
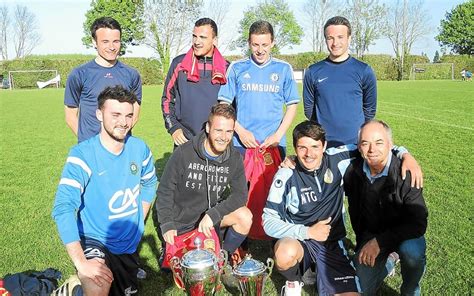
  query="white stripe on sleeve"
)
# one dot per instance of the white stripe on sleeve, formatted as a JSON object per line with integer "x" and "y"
{"x": 79, "y": 162}
{"x": 72, "y": 183}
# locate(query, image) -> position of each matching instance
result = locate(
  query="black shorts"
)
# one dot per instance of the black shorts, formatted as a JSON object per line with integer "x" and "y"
{"x": 124, "y": 267}
{"x": 335, "y": 272}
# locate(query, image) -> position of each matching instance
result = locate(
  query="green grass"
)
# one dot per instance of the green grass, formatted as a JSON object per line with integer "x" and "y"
{"x": 434, "y": 119}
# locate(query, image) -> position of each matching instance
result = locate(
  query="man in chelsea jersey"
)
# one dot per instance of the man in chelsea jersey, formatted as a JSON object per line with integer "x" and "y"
{"x": 106, "y": 189}
{"x": 260, "y": 86}
{"x": 340, "y": 92}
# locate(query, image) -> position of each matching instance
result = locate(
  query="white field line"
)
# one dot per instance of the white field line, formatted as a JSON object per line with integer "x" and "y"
{"x": 431, "y": 109}
{"x": 430, "y": 120}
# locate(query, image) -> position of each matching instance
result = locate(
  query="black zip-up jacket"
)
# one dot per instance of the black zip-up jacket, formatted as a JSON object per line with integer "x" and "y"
{"x": 389, "y": 209}
{"x": 192, "y": 186}
{"x": 185, "y": 104}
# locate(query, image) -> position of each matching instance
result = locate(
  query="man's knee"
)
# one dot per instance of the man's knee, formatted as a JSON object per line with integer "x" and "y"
{"x": 90, "y": 288}
{"x": 288, "y": 252}
{"x": 243, "y": 218}
{"x": 413, "y": 252}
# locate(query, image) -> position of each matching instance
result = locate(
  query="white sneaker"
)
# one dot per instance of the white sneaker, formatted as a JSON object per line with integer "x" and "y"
{"x": 395, "y": 258}
{"x": 71, "y": 287}
{"x": 292, "y": 288}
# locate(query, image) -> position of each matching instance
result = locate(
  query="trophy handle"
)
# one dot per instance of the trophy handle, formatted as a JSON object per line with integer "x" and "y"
{"x": 221, "y": 263}
{"x": 175, "y": 266}
{"x": 270, "y": 264}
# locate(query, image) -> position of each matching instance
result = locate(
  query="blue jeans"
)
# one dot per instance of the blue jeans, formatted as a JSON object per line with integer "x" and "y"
{"x": 412, "y": 260}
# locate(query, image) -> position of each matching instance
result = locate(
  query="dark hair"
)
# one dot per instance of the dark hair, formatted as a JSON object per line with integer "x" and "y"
{"x": 386, "y": 127}
{"x": 207, "y": 21}
{"x": 118, "y": 93}
{"x": 311, "y": 129}
{"x": 260, "y": 28}
{"x": 104, "y": 22}
{"x": 224, "y": 110}
{"x": 336, "y": 21}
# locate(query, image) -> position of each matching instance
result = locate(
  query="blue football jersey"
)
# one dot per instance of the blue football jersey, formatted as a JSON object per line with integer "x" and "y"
{"x": 260, "y": 92}
{"x": 100, "y": 194}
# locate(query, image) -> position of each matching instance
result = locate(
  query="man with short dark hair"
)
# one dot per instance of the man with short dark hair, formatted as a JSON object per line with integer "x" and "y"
{"x": 86, "y": 82}
{"x": 106, "y": 189}
{"x": 192, "y": 84}
{"x": 340, "y": 92}
{"x": 387, "y": 214}
{"x": 260, "y": 86}
{"x": 195, "y": 182}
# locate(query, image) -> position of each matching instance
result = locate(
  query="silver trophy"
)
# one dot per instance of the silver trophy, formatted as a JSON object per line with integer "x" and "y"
{"x": 252, "y": 275}
{"x": 198, "y": 271}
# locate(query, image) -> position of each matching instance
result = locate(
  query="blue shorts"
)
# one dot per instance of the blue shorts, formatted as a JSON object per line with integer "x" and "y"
{"x": 335, "y": 272}
{"x": 124, "y": 267}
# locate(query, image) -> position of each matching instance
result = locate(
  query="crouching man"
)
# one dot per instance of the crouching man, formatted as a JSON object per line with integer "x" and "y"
{"x": 203, "y": 186}
{"x": 103, "y": 197}
{"x": 387, "y": 214}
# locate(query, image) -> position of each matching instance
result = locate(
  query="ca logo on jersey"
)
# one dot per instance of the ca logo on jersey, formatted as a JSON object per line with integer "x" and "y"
{"x": 124, "y": 203}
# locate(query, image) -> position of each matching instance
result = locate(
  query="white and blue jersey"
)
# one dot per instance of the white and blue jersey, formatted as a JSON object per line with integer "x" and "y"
{"x": 84, "y": 85}
{"x": 100, "y": 194}
{"x": 299, "y": 198}
{"x": 260, "y": 92}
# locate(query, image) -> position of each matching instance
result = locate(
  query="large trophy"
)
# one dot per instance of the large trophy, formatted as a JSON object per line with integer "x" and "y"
{"x": 252, "y": 275}
{"x": 198, "y": 271}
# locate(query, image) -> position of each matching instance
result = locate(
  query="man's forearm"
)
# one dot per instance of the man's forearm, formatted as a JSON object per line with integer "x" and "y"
{"x": 76, "y": 253}
{"x": 136, "y": 113}
{"x": 287, "y": 120}
{"x": 72, "y": 119}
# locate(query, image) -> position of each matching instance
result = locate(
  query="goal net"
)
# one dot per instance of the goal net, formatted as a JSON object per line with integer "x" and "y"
{"x": 432, "y": 71}
{"x": 33, "y": 79}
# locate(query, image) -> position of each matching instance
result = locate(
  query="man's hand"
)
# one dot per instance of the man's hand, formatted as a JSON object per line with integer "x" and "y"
{"x": 96, "y": 270}
{"x": 206, "y": 225}
{"x": 169, "y": 236}
{"x": 320, "y": 231}
{"x": 409, "y": 163}
{"x": 247, "y": 138}
{"x": 178, "y": 137}
{"x": 271, "y": 141}
{"x": 369, "y": 253}
{"x": 288, "y": 162}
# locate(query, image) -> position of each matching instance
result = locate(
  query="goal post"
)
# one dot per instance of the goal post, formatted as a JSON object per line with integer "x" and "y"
{"x": 32, "y": 78}
{"x": 432, "y": 71}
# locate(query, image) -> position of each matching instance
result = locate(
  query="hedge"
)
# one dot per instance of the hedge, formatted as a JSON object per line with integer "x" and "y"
{"x": 150, "y": 70}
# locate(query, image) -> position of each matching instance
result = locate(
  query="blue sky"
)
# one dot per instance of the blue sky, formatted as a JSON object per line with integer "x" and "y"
{"x": 60, "y": 23}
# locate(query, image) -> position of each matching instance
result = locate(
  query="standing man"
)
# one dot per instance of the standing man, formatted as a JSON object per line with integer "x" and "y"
{"x": 86, "y": 82}
{"x": 261, "y": 86}
{"x": 198, "y": 173}
{"x": 387, "y": 214}
{"x": 192, "y": 84}
{"x": 106, "y": 189}
{"x": 340, "y": 92}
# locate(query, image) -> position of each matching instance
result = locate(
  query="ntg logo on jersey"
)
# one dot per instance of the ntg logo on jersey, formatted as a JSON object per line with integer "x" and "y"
{"x": 124, "y": 203}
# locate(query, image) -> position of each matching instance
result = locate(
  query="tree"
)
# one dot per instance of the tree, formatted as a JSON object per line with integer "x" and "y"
{"x": 217, "y": 10}
{"x": 436, "y": 57}
{"x": 25, "y": 31}
{"x": 4, "y": 25}
{"x": 457, "y": 30}
{"x": 367, "y": 18}
{"x": 169, "y": 24}
{"x": 277, "y": 12}
{"x": 129, "y": 13}
{"x": 316, "y": 13}
{"x": 406, "y": 23}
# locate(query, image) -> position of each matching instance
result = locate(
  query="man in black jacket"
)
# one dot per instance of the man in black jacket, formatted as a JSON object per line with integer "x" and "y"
{"x": 387, "y": 214}
{"x": 197, "y": 176}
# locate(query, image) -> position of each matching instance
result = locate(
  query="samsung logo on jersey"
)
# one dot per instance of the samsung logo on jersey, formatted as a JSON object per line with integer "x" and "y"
{"x": 260, "y": 87}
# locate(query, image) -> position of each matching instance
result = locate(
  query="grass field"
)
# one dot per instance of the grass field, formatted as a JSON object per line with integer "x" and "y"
{"x": 433, "y": 119}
